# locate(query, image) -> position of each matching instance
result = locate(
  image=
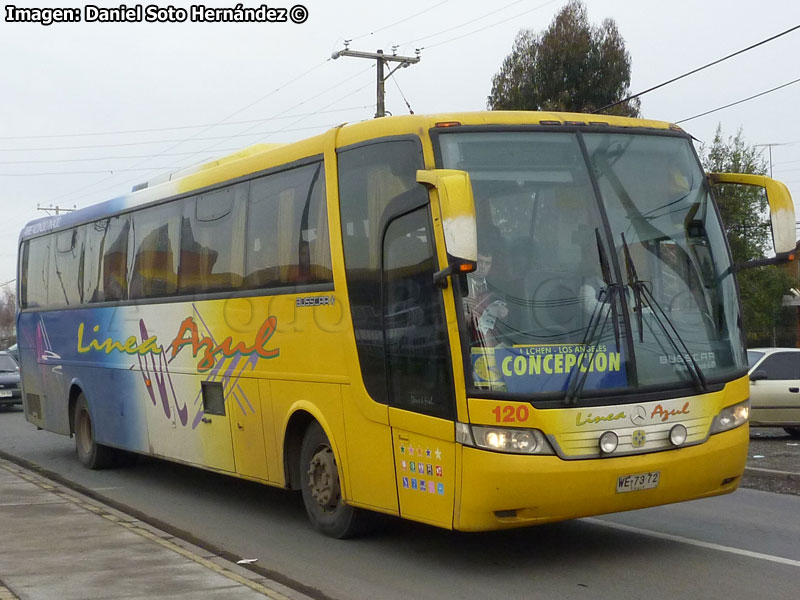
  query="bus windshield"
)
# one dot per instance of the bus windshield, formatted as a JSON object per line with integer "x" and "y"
{"x": 602, "y": 266}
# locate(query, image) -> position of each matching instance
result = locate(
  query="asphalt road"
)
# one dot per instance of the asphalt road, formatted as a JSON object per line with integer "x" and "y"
{"x": 743, "y": 545}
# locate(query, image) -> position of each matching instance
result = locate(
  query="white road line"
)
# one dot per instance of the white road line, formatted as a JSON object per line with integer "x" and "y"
{"x": 691, "y": 542}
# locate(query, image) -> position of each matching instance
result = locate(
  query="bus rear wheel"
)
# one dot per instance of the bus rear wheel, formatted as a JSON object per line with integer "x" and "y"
{"x": 91, "y": 454}
{"x": 321, "y": 487}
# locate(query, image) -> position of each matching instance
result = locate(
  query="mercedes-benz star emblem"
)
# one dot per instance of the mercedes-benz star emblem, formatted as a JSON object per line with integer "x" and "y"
{"x": 638, "y": 415}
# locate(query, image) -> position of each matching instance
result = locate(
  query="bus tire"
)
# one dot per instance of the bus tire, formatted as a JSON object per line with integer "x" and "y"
{"x": 91, "y": 454}
{"x": 321, "y": 487}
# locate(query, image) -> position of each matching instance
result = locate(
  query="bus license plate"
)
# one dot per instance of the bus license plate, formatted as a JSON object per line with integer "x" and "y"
{"x": 5, "y": 393}
{"x": 640, "y": 481}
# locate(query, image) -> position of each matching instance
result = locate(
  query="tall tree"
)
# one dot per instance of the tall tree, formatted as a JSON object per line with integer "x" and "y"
{"x": 745, "y": 214}
{"x": 571, "y": 66}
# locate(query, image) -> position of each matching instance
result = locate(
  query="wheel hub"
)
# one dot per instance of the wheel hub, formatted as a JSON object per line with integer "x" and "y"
{"x": 323, "y": 480}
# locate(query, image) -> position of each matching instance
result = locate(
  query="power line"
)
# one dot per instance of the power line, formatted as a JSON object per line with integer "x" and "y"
{"x": 289, "y": 125}
{"x": 112, "y": 171}
{"x": 708, "y": 112}
{"x": 711, "y": 64}
{"x": 121, "y": 145}
{"x": 69, "y": 160}
{"x": 161, "y": 170}
{"x": 488, "y": 26}
{"x": 410, "y": 110}
{"x": 470, "y": 22}
{"x": 125, "y": 131}
{"x": 291, "y": 81}
{"x": 422, "y": 12}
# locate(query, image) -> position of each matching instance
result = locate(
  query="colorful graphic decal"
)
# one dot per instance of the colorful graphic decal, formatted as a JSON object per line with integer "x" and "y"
{"x": 220, "y": 360}
{"x": 426, "y": 472}
{"x": 547, "y": 368}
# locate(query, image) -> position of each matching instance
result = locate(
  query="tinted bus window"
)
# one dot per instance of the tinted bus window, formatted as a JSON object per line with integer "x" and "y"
{"x": 157, "y": 247}
{"x": 36, "y": 265}
{"x": 212, "y": 241}
{"x": 369, "y": 178}
{"x": 287, "y": 229}
{"x": 105, "y": 261}
{"x": 68, "y": 268}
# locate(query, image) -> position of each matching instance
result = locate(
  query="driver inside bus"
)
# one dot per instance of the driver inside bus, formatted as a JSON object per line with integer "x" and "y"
{"x": 482, "y": 305}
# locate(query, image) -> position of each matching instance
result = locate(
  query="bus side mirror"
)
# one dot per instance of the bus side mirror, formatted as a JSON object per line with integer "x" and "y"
{"x": 457, "y": 207}
{"x": 781, "y": 207}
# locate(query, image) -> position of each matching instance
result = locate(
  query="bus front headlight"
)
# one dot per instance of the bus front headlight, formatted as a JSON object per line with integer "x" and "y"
{"x": 503, "y": 439}
{"x": 731, "y": 417}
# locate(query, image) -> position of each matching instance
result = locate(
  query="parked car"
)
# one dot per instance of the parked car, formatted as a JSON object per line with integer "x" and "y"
{"x": 10, "y": 391}
{"x": 13, "y": 350}
{"x": 775, "y": 388}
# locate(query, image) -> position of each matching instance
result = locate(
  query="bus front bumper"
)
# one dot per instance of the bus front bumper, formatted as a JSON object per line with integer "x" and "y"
{"x": 501, "y": 491}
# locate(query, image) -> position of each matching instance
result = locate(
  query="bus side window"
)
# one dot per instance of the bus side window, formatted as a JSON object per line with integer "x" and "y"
{"x": 36, "y": 263}
{"x": 105, "y": 260}
{"x": 414, "y": 321}
{"x": 287, "y": 229}
{"x": 155, "y": 263}
{"x": 67, "y": 286}
{"x": 370, "y": 176}
{"x": 212, "y": 247}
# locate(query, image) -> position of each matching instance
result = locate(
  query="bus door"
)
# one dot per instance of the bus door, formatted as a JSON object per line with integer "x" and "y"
{"x": 418, "y": 371}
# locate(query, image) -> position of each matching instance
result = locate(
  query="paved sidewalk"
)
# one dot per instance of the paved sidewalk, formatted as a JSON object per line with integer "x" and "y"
{"x": 56, "y": 544}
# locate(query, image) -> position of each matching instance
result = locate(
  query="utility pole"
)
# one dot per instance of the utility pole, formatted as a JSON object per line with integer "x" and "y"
{"x": 382, "y": 61}
{"x": 58, "y": 210}
{"x": 769, "y": 146}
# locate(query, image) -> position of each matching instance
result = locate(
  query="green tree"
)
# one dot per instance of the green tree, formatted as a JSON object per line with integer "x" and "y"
{"x": 745, "y": 214}
{"x": 571, "y": 66}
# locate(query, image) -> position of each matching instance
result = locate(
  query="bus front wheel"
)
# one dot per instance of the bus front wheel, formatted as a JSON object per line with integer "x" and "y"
{"x": 91, "y": 454}
{"x": 321, "y": 487}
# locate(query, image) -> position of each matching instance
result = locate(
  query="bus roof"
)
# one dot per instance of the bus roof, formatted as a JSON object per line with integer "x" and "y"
{"x": 262, "y": 156}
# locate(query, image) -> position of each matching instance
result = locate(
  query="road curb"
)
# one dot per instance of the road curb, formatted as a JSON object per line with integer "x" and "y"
{"x": 772, "y": 473}
{"x": 206, "y": 557}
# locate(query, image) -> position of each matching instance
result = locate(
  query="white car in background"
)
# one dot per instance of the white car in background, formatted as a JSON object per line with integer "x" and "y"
{"x": 775, "y": 388}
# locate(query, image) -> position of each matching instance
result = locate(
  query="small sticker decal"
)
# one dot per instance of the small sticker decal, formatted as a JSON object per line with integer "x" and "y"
{"x": 413, "y": 483}
{"x": 413, "y": 467}
{"x": 421, "y": 468}
{"x": 438, "y": 454}
{"x": 431, "y": 487}
{"x": 429, "y": 469}
{"x": 402, "y": 449}
{"x": 405, "y": 482}
{"x": 440, "y": 489}
{"x": 422, "y": 485}
{"x": 439, "y": 470}
{"x": 404, "y": 465}
{"x": 428, "y": 452}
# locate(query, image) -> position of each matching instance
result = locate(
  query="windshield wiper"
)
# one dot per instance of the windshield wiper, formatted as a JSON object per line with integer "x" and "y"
{"x": 642, "y": 293}
{"x": 606, "y": 306}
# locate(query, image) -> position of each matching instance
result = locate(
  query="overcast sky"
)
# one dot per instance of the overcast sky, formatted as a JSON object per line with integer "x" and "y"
{"x": 77, "y": 99}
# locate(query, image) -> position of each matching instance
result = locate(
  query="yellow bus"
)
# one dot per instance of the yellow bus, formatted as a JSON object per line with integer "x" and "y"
{"x": 476, "y": 321}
